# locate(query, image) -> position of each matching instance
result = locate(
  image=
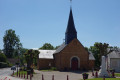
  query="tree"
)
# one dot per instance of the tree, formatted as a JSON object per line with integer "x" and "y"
{"x": 21, "y": 55}
{"x": 57, "y": 47}
{"x": 31, "y": 57}
{"x": 11, "y": 42}
{"x": 86, "y": 48}
{"x": 0, "y": 51}
{"x": 95, "y": 52}
{"x": 99, "y": 50}
{"x": 47, "y": 46}
{"x": 18, "y": 50}
{"x": 3, "y": 58}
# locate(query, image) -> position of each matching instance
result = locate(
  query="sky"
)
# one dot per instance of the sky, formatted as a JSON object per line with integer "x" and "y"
{"x": 45, "y": 21}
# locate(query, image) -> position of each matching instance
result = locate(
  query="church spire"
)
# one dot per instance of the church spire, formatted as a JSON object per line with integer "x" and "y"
{"x": 71, "y": 32}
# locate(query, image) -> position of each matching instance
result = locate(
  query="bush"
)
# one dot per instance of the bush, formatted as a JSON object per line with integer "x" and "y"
{"x": 3, "y": 58}
{"x": 3, "y": 65}
{"x": 53, "y": 68}
{"x": 10, "y": 65}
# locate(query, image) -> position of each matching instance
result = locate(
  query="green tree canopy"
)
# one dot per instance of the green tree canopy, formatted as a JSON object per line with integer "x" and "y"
{"x": 47, "y": 46}
{"x": 86, "y": 48}
{"x": 99, "y": 50}
{"x": 21, "y": 55}
{"x": 0, "y": 51}
{"x": 3, "y": 58}
{"x": 11, "y": 43}
{"x": 57, "y": 47}
{"x": 31, "y": 57}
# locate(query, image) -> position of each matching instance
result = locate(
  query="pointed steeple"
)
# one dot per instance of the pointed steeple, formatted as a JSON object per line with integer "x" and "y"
{"x": 71, "y": 32}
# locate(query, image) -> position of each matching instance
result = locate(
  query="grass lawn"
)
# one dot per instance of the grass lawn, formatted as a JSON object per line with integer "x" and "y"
{"x": 21, "y": 72}
{"x": 51, "y": 69}
{"x": 117, "y": 74}
{"x": 102, "y": 79}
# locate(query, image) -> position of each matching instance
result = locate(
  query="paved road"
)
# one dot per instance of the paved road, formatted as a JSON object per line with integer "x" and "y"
{"x": 58, "y": 75}
{"x": 5, "y": 74}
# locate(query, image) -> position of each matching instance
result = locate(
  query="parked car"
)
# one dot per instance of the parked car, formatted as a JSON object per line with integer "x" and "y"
{"x": 13, "y": 68}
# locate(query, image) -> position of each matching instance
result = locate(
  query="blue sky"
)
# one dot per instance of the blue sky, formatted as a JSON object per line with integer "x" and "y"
{"x": 45, "y": 21}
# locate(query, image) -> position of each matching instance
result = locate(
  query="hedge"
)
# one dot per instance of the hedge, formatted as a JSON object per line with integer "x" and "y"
{"x": 3, "y": 65}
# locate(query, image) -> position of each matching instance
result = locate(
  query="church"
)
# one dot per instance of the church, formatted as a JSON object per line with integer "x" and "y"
{"x": 71, "y": 55}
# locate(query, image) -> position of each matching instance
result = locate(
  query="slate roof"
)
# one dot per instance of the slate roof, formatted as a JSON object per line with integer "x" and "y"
{"x": 114, "y": 54}
{"x": 46, "y": 54}
{"x": 71, "y": 32}
{"x": 71, "y": 26}
{"x": 60, "y": 48}
{"x": 91, "y": 57}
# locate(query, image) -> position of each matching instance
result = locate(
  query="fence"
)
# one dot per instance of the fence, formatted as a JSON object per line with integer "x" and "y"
{"x": 29, "y": 77}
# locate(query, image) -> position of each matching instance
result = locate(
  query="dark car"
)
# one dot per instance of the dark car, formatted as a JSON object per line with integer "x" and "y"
{"x": 13, "y": 68}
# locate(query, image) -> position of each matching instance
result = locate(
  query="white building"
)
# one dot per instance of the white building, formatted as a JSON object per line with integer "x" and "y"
{"x": 114, "y": 60}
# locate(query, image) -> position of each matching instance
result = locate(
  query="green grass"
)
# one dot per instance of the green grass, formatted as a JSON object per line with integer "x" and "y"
{"x": 21, "y": 72}
{"x": 51, "y": 69}
{"x": 102, "y": 79}
{"x": 117, "y": 74}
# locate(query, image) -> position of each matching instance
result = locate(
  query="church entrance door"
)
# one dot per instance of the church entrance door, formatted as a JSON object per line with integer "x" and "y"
{"x": 74, "y": 63}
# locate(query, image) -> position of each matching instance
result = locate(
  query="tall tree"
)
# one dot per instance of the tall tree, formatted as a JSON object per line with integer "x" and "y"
{"x": 47, "y": 46}
{"x": 96, "y": 54}
{"x": 86, "y": 48}
{"x": 17, "y": 50}
{"x": 99, "y": 50}
{"x": 31, "y": 57}
{"x": 57, "y": 47}
{"x": 3, "y": 58}
{"x": 0, "y": 51}
{"x": 11, "y": 42}
{"x": 21, "y": 55}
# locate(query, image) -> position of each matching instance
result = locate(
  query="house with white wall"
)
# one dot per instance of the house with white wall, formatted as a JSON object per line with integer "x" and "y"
{"x": 114, "y": 60}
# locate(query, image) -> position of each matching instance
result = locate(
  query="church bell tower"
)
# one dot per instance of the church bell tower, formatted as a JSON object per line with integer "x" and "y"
{"x": 71, "y": 32}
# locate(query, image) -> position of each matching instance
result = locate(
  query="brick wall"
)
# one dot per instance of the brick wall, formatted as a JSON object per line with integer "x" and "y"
{"x": 91, "y": 64}
{"x": 44, "y": 63}
{"x": 62, "y": 59}
{"x": 74, "y": 48}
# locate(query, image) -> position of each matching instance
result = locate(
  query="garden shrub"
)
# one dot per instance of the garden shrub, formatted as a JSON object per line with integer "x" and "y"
{"x": 3, "y": 65}
{"x": 3, "y": 58}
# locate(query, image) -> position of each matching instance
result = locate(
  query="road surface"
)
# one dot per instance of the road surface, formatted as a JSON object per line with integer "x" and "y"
{"x": 5, "y": 74}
